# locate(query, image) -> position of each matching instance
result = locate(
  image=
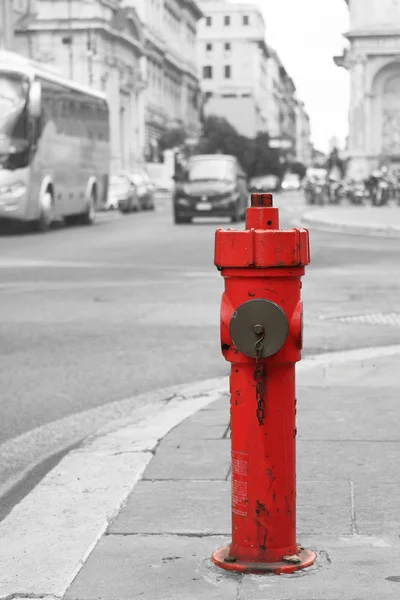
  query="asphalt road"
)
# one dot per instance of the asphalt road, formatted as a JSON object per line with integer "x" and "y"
{"x": 91, "y": 316}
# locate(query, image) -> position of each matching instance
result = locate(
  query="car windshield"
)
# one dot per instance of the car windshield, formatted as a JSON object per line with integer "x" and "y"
{"x": 13, "y": 123}
{"x": 211, "y": 170}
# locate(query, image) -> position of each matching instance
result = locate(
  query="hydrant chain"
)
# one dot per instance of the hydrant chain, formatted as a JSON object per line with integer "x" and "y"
{"x": 259, "y": 374}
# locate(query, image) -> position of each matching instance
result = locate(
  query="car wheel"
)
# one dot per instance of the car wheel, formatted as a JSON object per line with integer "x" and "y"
{"x": 182, "y": 220}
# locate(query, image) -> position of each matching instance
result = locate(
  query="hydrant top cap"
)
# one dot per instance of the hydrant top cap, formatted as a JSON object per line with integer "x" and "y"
{"x": 261, "y": 200}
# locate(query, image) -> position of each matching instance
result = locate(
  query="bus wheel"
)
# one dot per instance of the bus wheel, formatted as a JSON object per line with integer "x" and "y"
{"x": 89, "y": 216}
{"x": 43, "y": 223}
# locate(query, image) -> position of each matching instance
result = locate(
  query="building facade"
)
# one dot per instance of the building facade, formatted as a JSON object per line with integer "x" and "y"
{"x": 303, "y": 135}
{"x": 10, "y": 13}
{"x": 172, "y": 96}
{"x": 245, "y": 81}
{"x": 99, "y": 44}
{"x": 374, "y": 66}
{"x": 233, "y": 59}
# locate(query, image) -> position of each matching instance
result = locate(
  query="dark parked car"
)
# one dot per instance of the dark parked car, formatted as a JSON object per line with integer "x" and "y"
{"x": 212, "y": 185}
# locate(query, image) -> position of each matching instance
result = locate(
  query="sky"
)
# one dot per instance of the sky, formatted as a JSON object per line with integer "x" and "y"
{"x": 307, "y": 34}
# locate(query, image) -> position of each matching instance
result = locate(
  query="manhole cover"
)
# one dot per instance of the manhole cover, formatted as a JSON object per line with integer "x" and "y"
{"x": 392, "y": 319}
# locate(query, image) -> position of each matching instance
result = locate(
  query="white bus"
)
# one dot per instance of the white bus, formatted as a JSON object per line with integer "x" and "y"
{"x": 54, "y": 146}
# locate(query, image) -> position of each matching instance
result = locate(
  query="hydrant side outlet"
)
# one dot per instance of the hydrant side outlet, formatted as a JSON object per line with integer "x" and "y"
{"x": 261, "y": 336}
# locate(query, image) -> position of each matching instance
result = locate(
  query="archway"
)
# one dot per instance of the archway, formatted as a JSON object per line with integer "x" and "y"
{"x": 391, "y": 116}
{"x": 385, "y": 122}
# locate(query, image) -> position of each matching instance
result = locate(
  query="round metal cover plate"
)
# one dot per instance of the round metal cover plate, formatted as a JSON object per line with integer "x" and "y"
{"x": 259, "y": 312}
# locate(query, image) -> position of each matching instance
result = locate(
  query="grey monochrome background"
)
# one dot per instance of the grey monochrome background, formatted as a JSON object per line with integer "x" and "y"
{"x": 153, "y": 122}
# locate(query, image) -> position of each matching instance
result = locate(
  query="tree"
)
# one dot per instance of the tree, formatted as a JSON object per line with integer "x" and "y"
{"x": 220, "y": 137}
{"x": 172, "y": 138}
{"x": 255, "y": 155}
{"x": 265, "y": 160}
{"x": 299, "y": 169}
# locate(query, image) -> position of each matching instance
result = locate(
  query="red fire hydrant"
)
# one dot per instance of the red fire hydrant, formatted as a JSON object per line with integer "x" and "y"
{"x": 261, "y": 335}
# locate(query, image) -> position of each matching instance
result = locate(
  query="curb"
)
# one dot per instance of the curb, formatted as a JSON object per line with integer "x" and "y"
{"x": 375, "y": 230}
{"x": 59, "y": 523}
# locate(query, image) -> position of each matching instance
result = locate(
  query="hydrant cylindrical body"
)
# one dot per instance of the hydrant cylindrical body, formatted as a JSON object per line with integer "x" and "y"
{"x": 262, "y": 269}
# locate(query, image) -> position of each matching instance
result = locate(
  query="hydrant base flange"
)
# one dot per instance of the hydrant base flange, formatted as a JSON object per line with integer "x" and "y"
{"x": 222, "y": 559}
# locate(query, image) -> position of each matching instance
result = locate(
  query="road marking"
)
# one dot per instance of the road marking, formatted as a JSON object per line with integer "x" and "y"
{"x": 376, "y": 318}
{"x": 15, "y": 263}
{"x": 49, "y": 535}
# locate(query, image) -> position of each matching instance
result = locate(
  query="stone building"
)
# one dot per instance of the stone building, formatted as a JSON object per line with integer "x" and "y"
{"x": 99, "y": 44}
{"x": 244, "y": 80}
{"x": 11, "y": 11}
{"x": 172, "y": 96}
{"x": 373, "y": 61}
{"x": 233, "y": 57}
{"x": 303, "y": 135}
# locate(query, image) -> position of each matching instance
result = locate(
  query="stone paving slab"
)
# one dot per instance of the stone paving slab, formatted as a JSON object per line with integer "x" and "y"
{"x": 204, "y": 508}
{"x": 352, "y": 568}
{"x": 323, "y": 508}
{"x": 378, "y": 373}
{"x": 341, "y": 460}
{"x": 208, "y": 418}
{"x": 341, "y": 414}
{"x": 176, "y": 507}
{"x": 196, "y": 431}
{"x": 377, "y": 508}
{"x": 208, "y": 460}
{"x": 179, "y": 568}
{"x": 153, "y": 568}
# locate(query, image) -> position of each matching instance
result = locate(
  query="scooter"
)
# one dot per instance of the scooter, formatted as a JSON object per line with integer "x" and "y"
{"x": 335, "y": 192}
{"x": 357, "y": 193}
{"x": 381, "y": 193}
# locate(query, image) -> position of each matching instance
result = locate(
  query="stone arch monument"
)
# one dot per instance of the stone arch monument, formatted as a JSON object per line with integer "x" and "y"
{"x": 373, "y": 60}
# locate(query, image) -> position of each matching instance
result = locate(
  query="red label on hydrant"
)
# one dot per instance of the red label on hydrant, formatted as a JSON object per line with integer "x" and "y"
{"x": 240, "y": 461}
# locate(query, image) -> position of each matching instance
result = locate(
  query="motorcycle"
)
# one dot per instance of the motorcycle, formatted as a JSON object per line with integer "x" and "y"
{"x": 335, "y": 190}
{"x": 380, "y": 193}
{"x": 357, "y": 193}
{"x": 319, "y": 193}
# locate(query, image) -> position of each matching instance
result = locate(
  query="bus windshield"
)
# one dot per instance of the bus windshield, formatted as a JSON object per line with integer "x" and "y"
{"x": 13, "y": 121}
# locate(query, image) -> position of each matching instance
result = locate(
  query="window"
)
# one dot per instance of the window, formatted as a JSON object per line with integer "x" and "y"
{"x": 227, "y": 71}
{"x": 208, "y": 21}
{"x": 227, "y": 20}
{"x": 209, "y": 47}
{"x": 207, "y": 72}
{"x": 227, "y": 47}
{"x": 245, "y": 19}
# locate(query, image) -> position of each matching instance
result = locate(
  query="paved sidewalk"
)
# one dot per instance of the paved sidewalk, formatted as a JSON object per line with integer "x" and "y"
{"x": 369, "y": 220}
{"x": 159, "y": 544}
